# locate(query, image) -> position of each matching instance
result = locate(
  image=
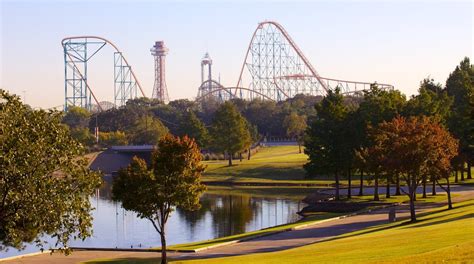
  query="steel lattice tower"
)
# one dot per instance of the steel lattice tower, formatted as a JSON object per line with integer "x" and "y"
{"x": 160, "y": 91}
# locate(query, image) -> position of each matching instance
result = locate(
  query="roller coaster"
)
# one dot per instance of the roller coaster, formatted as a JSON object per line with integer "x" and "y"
{"x": 274, "y": 68}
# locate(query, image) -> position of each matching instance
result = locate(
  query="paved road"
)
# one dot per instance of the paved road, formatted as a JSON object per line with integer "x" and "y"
{"x": 270, "y": 243}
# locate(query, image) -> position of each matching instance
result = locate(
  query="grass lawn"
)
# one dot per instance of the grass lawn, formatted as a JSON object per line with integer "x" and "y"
{"x": 439, "y": 236}
{"x": 441, "y": 196}
{"x": 282, "y": 192}
{"x": 125, "y": 261}
{"x": 282, "y": 163}
{"x": 278, "y": 165}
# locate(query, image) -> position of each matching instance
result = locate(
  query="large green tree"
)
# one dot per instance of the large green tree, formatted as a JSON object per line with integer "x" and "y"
{"x": 173, "y": 180}
{"x": 326, "y": 140}
{"x": 191, "y": 126}
{"x": 44, "y": 180}
{"x": 377, "y": 105}
{"x": 460, "y": 85}
{"x": 229, "y": 131}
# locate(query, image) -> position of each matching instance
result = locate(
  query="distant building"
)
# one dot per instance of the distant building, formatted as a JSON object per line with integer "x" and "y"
{"x": 110, "y": 161}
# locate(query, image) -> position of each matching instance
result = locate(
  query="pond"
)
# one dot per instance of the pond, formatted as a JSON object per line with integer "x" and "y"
{"x": 220, "y": 215}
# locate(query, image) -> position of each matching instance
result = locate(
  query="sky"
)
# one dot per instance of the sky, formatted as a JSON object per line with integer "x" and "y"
{"x": 396, "y": 42}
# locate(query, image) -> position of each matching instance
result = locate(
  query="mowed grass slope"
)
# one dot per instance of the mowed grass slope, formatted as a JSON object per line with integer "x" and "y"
{"x": 438, "y": 236}
{"x": 282, "y": 163}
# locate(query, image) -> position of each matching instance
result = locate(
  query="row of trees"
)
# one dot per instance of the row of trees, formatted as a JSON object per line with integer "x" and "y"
{"x": 184, "y": 117}
{"x": 345, "y": 138}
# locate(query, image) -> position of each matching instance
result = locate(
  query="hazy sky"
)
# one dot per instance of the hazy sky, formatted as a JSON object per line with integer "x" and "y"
{"x": 397, "y": 42}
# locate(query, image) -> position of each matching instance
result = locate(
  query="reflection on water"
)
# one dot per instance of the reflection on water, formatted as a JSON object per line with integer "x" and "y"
{"x": 220, "y": 215}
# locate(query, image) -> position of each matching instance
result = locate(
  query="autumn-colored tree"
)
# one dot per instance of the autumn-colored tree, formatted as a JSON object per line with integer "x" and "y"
{"x": 412, "y": 148}
{"x": 44, "y": 180}
{"x": 173, "y": 180}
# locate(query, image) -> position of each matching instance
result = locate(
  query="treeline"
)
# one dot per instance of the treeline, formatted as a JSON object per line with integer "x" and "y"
{"x": 411, "y": 142}
{"x": 144, "y": 121}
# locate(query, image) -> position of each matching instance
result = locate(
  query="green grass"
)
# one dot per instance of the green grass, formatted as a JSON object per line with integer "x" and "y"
{"x": 282, "y": 192}
{"x": 125, "y": 261}
{"x": 282, "y": 163}
{"x": 439, "y": 236}
{"x": 266, "y": 231}
{"x": 439, "y": 197}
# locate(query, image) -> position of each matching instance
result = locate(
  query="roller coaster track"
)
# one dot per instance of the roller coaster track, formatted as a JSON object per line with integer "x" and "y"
{"x": 220, "y": 88}
{"x": 77, "y": 89}
{"x": 279, "y": 69}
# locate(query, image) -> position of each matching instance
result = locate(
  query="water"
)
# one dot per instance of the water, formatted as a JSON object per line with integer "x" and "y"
{"x": 220, "y": 215}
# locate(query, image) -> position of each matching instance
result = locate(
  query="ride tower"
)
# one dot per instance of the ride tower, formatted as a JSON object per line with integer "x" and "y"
{"x": 160, "y": 91}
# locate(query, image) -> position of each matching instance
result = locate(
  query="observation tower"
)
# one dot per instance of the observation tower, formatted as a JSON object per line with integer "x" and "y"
{"x": 160, "y": 91}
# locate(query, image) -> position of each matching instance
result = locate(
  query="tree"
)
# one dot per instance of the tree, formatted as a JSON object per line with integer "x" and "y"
{"x": 414, "y": 147}
{"x": 431, "y": 101}
{"x": 229, "y": 131}
{"x": 173, "y": 180}
{"x": 191, "y": 126}
{"x": 76, "y": 117}
{"x": 326, "y": 141}
{"x": 254, "y": 137}
{"x": 147, "y": 130}
{"x": 44, "y": 180}
{"x": 378, "y": 105}
{"x": 117, "y": 138}
{"x": 295, "y": 127}
{"x": 434, "y": 102}
{"x": 460, "y": 85}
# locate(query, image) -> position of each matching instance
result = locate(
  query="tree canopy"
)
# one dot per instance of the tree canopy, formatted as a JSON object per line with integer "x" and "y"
{"x": 172, "y": 180}
{"x": 413, "y": 147}
{"x": 229, "y": 131}
{"x": 44, "y": 181}
{"x": 326, "y": 142}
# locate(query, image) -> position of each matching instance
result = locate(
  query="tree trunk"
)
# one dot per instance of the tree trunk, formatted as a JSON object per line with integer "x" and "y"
{"x": 424, "y": 187}
{"x": 250, "y": 151}
{"x": 462, "y": 172}
{"x": 240, "y": 156}
{"x": 230, "y": 160}
{"x": 361, "y": 187}
{"x": 336, "y": 175}
{"x": 412, "y": 204}
{"x": 397, "y": 189}
{"x": 163, "y": 246}
{"x": 433, "y": 188}
{"x": 469, "y": 176}
{"x": 349, "y": 179}
{"x": 376, "y": 188}
{"x": 412, "y": 191}
{"x": 387, "y": 192}
{"x": 299, "y": 146}
{"x": 448, "y": 191}
{"x": 456, "y": 180}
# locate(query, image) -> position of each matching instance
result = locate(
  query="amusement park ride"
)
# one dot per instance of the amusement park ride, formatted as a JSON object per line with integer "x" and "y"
{"x": 274, "y": 68}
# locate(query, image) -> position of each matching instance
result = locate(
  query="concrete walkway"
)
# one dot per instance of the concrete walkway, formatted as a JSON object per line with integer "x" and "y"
{"x": 276, "y": 242}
